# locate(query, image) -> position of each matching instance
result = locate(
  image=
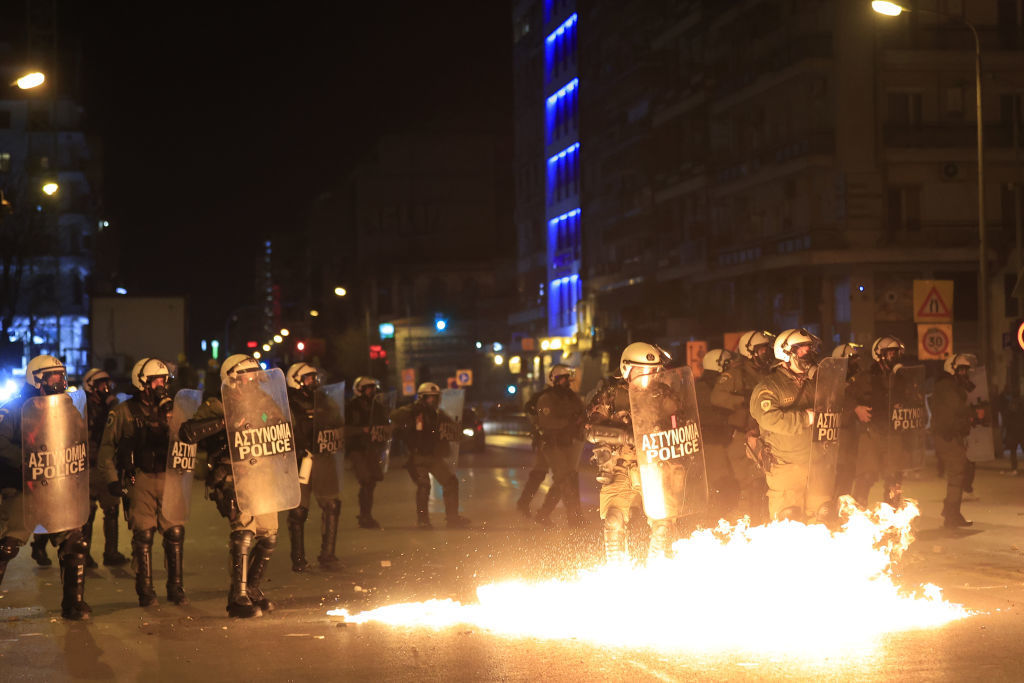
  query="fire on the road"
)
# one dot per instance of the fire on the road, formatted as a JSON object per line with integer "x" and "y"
{"x": 786, "y": 587}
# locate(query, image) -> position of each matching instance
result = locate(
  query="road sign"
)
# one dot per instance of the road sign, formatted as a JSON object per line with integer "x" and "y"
{"x": 695, "y": 351}
{"x": 933, "y": 301}
{"x": 463, "y": 378}
{"x": 934, "y": 341}
{"x": 1020, "y": 335}
{"x": 409, "y": 382}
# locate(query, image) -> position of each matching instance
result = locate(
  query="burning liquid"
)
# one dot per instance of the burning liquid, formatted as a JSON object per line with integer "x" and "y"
{"x": 785, "y": 587}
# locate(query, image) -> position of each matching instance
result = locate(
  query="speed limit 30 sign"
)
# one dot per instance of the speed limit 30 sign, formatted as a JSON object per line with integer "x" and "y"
{"x": 934, "y": 341}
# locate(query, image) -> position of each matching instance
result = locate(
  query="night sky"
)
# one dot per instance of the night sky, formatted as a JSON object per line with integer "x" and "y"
{"x": 221, "y": 122}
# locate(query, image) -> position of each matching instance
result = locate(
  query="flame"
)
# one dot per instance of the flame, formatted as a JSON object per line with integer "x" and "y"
{"x": 782, "y": 588}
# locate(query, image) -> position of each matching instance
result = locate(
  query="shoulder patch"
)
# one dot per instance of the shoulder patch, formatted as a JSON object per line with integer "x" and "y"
{"x": 110, "y": 418}
{"x": 766, "y": 405}
{"x": 724, "y": 377}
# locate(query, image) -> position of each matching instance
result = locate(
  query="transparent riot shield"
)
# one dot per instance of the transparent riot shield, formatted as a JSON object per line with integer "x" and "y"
{"x": 907, "y": 418}
{"x": 261, "y": 441}
{"x": 181, "y": 458}
{"x": 829, "y": 395}
{"x": 980, "y": 441}
{"x": 669, "y": 445}
{"x": 380, "y": 426}
{"x": 450, "y": 421}
{"x": 55, "y": 463}
{"x": 329, "y": 426}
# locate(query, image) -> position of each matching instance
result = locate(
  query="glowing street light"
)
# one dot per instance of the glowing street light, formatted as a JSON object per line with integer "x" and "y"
{"x": 278, "y": 339}
{"x": 339, "y": 291}
{"x": 31, "y": 80}
{"x": 498, "y": 359}
{"x": 257, "y": 355}
{"x": 314, "y": 313}
{"x": 889, "y": 9}
{"x": 50, "y": 188}
{"x": 285, "y": 331}
{"x": 266, "y": 347}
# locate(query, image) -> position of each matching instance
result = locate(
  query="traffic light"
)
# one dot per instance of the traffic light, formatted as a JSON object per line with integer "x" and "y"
{"x": 377, "y": 352}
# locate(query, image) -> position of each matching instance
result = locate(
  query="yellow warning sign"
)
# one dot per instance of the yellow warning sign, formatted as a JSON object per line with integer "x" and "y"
{"x": 933, "y": 301}
{"x": 934, "y": 341}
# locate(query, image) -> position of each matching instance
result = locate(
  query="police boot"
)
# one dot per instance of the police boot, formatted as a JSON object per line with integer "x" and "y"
{"x": 142, "y": 554}
{"x": 332, "y": 510}
{"x": 296, "y": 527}
{"x": 263, "y": 548}
{"x": 111, "y": 556}
{"x": 661, "y": 539}
{"x": 39, "y": 550}
{"x": 365, "y": 518}
{"x": 615, "y": 553}
{"x": 239, "y": 604}
{"x": 87, "y": 533}
{"x": 72, "y": 554}
{"x": 174, "y": 543}
{"x": 9, "y": 548}
{"x": 533, "y": 482}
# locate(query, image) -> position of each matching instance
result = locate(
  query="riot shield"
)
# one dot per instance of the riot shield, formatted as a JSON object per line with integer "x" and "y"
{"x": 450, "y": 421}
{"x": 907, "y": 418}
{"x": 261, "y": 441}
{"x": 669, "y": 445}
{"x": 380, "y": 426}
{"x": 829, "y": 395}
{"x": 181, "y": 458}
{"x": 55, "y": 463}
{"x": 329, "y": 424}
{"x": 980, "y": 442}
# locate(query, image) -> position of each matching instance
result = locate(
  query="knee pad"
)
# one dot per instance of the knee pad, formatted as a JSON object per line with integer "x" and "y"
{"x": 9, "y": 548}
{"x": 242, "y": 539}
{"x": 143, "y": 536}
{"x": 615, "y": 520}
{"x": 331, "y": 507}
{"x": 268, "y": 542}
{"x": 74, "y": 544}
{"x": 298, "y": 515}
{"x": 176, "y": 534}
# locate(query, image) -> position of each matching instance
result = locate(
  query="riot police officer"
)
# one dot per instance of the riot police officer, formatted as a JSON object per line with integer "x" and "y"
{"x": 44, "y": 376}
{"x": 872, "y": 398}
{"x": 314, "y": 414}
{"x": 367, "y": 431}
{"x": 610, "y": 428}
{"x": 853, "y": 418}
{"x": 952, "y": 419}
{"x": 418, "y": 427}
{"x": 783, "y": 406}
{"x": 557, "y": 416}
{"x": 99, "y": 392}
{"x": 253, "y": 537}
{"x": 732, "y": 393}
{"x": 714, "y": 423}
{"x": 133, "y": 457}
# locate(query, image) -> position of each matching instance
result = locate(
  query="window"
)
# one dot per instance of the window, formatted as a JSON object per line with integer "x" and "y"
{"x": 560, "y": 50}
{"x": 5, "y": 162}
{"x": 904, "y": 108}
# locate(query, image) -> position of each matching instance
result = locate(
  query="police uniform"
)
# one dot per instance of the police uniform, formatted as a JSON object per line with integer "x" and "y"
{"x": 878, "y": 448}
{"x": 98, "y": 407}
{"x": 72, "y": 547}
{"x": 134, "y": 450}
{"x": 365, "y": 416}
{"x": 253, "y": 537}
{"x": 732, "y": 393}
{"x": 418, "y": 427}
{"x": 852, "y": 428}
{"x": 779, "y": 404}
{"x": 610, "y": 429}
{"x": 310, "y": 422}
{"x": 557, "y": 414}
{"x": 952, "y": 417}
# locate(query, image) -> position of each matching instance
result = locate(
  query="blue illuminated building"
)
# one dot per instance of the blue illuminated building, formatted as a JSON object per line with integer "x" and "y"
{"x": 562, "y": 172}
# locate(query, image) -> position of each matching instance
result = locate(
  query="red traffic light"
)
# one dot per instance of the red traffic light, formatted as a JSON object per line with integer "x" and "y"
{"x": 377, "y": 351}
{"x": 252, "y": 344}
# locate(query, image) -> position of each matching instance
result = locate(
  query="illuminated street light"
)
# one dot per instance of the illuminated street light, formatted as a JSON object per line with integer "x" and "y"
{"x": 314, "y": 313}
{"x": 340, "y": 291}
{"x": 278, "y": 339}
{"x": 266, "y": 347}
{"x": 257, "y": 355}
{"x": 30, "y": 80}
{"x": 499, "y": 359}
{"x": 889, "y": 9}
{"x": 285, "y": 331}
{"x": 50, "y": 188}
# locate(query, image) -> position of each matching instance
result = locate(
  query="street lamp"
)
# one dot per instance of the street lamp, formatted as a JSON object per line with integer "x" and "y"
{"x": 30, "y": 80}
{"x": 340, "y": 291}
{"x": 50, "y": 188}
{"x": 893, "y": 9}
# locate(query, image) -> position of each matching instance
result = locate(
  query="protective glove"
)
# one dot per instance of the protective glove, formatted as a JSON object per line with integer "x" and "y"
{"x": 114, "y": 489}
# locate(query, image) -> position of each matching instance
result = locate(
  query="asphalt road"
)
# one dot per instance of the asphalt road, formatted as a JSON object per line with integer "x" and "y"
{"x": 980, "y": 568}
